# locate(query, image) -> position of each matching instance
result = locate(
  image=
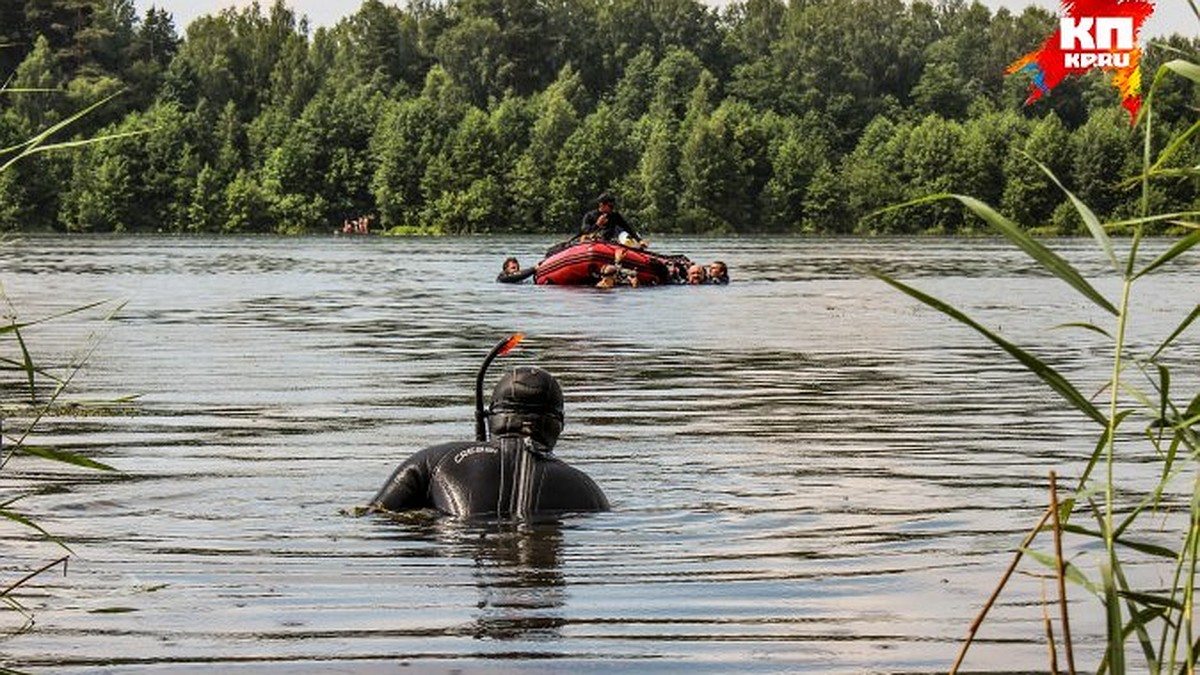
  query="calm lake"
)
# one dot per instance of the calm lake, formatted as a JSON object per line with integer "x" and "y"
{"x": 810, "y": 472}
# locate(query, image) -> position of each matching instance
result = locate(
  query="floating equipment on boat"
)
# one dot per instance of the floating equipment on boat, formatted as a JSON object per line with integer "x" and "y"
{"x": 579, "y": 264}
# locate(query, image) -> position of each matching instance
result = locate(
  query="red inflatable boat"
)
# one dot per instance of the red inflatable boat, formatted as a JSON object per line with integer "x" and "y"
{"x": 579, "y": 264}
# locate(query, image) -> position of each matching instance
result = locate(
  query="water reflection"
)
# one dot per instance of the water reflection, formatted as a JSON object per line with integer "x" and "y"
{"x": 517, "y": 568}
{"x": 808, "y": 471}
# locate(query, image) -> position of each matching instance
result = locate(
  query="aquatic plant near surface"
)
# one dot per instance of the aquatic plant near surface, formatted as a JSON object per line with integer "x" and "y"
{"x": 15, "y": 357}
{"x": 17, "y": 361}
{"x": 1143, "y": 414}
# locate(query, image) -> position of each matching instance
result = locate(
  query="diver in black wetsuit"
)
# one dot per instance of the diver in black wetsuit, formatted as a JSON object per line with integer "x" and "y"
{"x": 512, "y": 273}
{"x": 513, "y": 474}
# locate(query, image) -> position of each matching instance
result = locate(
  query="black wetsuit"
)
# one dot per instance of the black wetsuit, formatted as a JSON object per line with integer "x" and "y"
{"x": 500, "y": 477}
{"x": 610, "y": 230}
{"x": 516, "y": 277}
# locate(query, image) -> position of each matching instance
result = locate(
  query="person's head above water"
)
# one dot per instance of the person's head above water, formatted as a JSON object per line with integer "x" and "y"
{"x": 527, "y": 401}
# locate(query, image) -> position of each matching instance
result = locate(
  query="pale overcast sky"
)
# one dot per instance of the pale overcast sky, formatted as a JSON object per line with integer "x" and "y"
{"x": 1170, "y": 16}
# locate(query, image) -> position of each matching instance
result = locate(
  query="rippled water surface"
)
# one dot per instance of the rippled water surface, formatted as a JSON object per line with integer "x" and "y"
{"x": 809, "y": 471}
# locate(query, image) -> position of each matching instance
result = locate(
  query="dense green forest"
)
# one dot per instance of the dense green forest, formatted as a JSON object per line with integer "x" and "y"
{"x": 512, "y": 115}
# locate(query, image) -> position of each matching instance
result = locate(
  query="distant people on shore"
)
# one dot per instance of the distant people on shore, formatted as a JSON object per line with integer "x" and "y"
{"x": 359, "y": 225}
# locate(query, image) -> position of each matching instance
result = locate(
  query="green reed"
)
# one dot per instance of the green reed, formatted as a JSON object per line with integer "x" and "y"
{"x": 24, "y": 418}
{"x": 17, "y": 359}
{"x": 1139, "y": 391}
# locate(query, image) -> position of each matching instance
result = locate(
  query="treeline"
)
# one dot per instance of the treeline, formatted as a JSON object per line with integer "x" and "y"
{"x": 512, "y": 115}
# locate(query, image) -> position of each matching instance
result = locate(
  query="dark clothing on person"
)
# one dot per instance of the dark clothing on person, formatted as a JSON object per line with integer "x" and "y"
{"x": 509, "y": 475}
{"x": 610, "y": 230}
{"x": 518, "y": 277}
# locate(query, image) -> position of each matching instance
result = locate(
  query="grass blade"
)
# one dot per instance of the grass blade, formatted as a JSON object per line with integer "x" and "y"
{"x": 1046, "y": 373}
{"x": 1168, "y": 152}
{"x": 1152, "y": 600}
{"x": 65, "y": 457}
{"x": 1185, "y": 68}
{"x": 18, "y": 518}
{"x": 1097, "y": 453}
{"x": 1071, "y": 572}
{"x": 1184, "y": 325}
{"x": 25, "y": 579}
{"x": 1013, "y": 232}
{"x": 27, "y": 364}
{"x": 1089, "y": 217}
{"x": 1143, "y": 547}
{"x": 1086, "y": 326}
{"x": 1182, "y": 246}
{"x": 16, "y": 326}
{"x": 1115, "y": 654}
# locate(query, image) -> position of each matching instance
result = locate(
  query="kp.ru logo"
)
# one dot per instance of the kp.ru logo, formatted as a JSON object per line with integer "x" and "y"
{"x": 1083, "y": 49}
{"x": 1092, "y": 34}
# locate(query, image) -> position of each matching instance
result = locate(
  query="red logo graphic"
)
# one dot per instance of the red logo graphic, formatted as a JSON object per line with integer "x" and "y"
{"x": 1092, "y": 34}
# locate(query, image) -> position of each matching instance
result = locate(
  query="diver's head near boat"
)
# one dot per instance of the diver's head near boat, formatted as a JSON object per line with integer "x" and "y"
{"x": 527, "y": 401}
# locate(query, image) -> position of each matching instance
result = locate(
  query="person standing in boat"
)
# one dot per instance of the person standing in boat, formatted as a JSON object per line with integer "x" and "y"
{"x": 605, "y": 223}
{"x": 513, "y": 474}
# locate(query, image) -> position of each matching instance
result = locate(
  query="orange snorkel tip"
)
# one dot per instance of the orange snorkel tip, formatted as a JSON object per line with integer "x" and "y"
{"x": 501, "y": 348}
{"x": 510, "y": 344}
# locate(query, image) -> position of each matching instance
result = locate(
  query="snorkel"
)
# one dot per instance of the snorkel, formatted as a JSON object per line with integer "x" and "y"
{"x": 503, "y": 347}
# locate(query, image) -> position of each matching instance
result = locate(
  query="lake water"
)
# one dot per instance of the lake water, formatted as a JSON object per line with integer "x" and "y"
{"x": 809, "y": 471}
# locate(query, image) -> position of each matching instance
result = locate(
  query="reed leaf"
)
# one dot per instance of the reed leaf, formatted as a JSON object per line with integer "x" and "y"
{"x": 1085, "y": 326}
{"x": 1072, "y": 573}
{"x": 1137, "y": 621}
{"x": 1169, "y": 458}
{"x": 38, "y": 143}
{"x": 1143, "y": 547}
{"x": 1185, "y": 68}
{"x": 1172, "y": 148}
{"x": 1185, "y": 172}
{"x": 4, "y": 593}
{"x": 1045, "y": 372}
{"x": 19, "y": 325}
{"x": 1148, "y": 220}
{"x": 1164, "y": 388}
{"x": 1115, "y": 655}
{"x": 1152, "y": 600}
{"x": 1089, "y": 217}
{"x": 1183, "y": 325}
{"x": 1014, "y": 233}
{"x": 27, "y": 362}
{"x": 65, "y": 457}
{"x": 1181, "y": 246}
{"x": 1097, "y": 453}
{"x": 18, "y": 518}
{"x": 1143, "y": 398}
{"x": 9, "y": 364}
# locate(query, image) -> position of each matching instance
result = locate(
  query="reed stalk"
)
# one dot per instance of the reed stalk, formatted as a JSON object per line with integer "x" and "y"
{"x": 991, "y": 601}
{"x": 1124, "y": 524}
{"x": 1061, "y": 575}
{"x": 23, "y": 362}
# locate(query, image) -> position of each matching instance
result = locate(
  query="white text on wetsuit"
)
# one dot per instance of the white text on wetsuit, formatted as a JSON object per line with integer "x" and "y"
{"x": 473, "y": 450}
